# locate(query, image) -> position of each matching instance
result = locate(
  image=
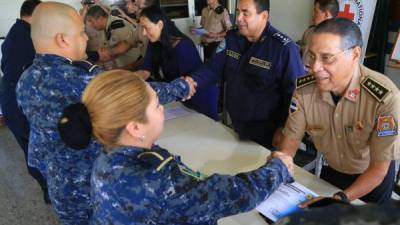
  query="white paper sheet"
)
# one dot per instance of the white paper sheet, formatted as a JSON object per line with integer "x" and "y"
{"x": 176, "y": 112}
{"x": 200, "y": 31}
{"x": 285, "y": 201}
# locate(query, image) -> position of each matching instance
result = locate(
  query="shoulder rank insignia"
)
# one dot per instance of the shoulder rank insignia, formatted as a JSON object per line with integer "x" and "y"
{"x": 375, "y": 88}
{"x": 85, "y": 65}
{"x": 282, "y": 38}
{"x": 158, "y": 159}
{"x": 114, "y": 25}
{"x": 304, "y": 81}
{"x": 117, "y": 24}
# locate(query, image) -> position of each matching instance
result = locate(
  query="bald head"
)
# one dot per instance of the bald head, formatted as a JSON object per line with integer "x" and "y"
{"x": 58, "y": 29}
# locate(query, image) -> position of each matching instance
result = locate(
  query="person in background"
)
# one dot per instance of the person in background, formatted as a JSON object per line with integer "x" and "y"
{"x": 323, "y": 10}
{"x": 260, "y": 66}
{"x": 17, "y": 55}
{"x": 137, "y": 182}
{"x": 119, "y": 36}
{"x": 350, "y": 112}
{"x": 57, "y": 78}
{"x": 176, "y": 55}
{"x": 215, "y": 19}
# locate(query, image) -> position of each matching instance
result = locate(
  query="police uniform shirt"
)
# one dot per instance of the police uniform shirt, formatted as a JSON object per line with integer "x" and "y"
{"x": 260, "y": 79}
{"x": 214, "y": 22}
{"x": 362, "y": 127}
{"x": 135, "y": 186}
{"x": 118, "y": 30}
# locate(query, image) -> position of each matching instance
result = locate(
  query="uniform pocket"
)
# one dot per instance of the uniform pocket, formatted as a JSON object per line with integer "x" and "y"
{"x": 358, "y": 140}
{"x": 318, "y": 136}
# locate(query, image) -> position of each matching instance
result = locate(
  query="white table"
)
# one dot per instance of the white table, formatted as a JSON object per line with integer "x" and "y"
{"x": 210, "y": 147}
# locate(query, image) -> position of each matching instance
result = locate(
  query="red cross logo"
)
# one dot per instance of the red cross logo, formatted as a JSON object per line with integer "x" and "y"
{"x": 346, "y": 13}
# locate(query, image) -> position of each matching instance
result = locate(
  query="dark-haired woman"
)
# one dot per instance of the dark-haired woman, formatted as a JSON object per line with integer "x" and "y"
{"x": 176, "y": 55}
{"x": 134, "y": 182}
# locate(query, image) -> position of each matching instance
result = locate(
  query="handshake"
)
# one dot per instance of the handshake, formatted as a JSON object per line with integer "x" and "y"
{"x": 192, "y": 86}
{"x": 104, "y": 54}
{"x": 285, "y": 158}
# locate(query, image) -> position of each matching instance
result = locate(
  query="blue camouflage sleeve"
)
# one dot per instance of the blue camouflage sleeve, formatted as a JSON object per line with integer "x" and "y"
{"x": 198, "y": 201}
{"x": 177, "y": 89}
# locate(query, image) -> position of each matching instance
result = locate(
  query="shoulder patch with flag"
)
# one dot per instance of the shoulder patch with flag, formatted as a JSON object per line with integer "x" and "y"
{"x": 293, "y": 106}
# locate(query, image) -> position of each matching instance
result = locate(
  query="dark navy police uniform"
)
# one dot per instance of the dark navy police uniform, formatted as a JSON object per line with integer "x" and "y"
{"x": 17, "y": 54}
{"x": 260, "y": 79}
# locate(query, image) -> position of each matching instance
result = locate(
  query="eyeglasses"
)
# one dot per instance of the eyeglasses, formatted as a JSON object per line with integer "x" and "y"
{"x": 325, "y": 59}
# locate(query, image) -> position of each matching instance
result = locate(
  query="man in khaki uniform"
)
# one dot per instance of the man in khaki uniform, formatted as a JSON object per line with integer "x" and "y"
{"x": 350, "y": 112}
{"x": 215, "y": 19}
{"x": 323, "y": 10}
{"x": 120, "y": 38}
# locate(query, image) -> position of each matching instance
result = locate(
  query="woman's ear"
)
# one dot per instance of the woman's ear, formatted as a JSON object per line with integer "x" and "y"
{"x": 134, "y": 129}
{"x": 61, "y": 40}
{"x": 160, "y": 24}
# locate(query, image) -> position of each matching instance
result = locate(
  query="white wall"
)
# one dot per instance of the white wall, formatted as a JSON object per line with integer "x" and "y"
{"x": 291, "y": 17}
{"x": 9, "y": 11}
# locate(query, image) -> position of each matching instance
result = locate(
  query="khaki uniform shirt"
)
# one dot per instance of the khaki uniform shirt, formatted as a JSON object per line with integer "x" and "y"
{"x": 363, "y": 126}
{"x": 304, "y": 40}
{"x": 125, "y": 33}
{"x": 215, "y": 23}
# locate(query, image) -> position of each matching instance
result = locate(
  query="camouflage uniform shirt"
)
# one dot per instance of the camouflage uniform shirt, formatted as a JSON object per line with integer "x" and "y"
{"x": 135, "y": 186}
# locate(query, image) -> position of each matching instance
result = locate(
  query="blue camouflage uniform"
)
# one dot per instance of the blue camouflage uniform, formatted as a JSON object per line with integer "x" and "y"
{"x": 131, "y": 185}
{"x": 260, "y": 79}
{"x": 44, "y": 90}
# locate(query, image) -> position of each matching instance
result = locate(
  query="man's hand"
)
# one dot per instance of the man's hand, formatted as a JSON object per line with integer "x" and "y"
{"x": 192, "y": 85}
{"x": 104, "y": 55}
{"x": 285, "y": 158}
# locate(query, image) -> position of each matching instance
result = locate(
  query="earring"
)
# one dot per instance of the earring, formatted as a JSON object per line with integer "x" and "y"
{"x": 141, "y": 138}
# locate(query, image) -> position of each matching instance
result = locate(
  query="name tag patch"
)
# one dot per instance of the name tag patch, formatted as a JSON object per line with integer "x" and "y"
{"x": 386, "y": 126}
{"x": 233, "y": 54}
{"x": 260, "y": 63}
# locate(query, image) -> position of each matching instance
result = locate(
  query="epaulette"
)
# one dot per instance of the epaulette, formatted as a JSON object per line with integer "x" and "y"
{"x": 376, "y": 89}
{"x": 117, "y": 24}
{"x": 282, "y": 38}
{"x": 88, "y": 66}
{"x": 158, "y": 159}
{"x": 304, "y": 81}
{"x": 114, "y": 25}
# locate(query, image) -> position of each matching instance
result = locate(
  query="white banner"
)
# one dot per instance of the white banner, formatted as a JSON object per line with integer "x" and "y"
{"x": 362, "y": 13}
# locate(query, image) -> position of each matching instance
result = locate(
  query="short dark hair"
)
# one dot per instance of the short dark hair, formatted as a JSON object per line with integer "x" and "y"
{"x": 96, "y": 11}
{"x": 261, "y": 5}
{"x": 331, "y": 6}
{"x": 349, "y": 31}
{"x": 27, "y": 7}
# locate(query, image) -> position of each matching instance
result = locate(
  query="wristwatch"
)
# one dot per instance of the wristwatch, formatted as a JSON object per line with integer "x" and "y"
{"x": 342, "y": 196}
